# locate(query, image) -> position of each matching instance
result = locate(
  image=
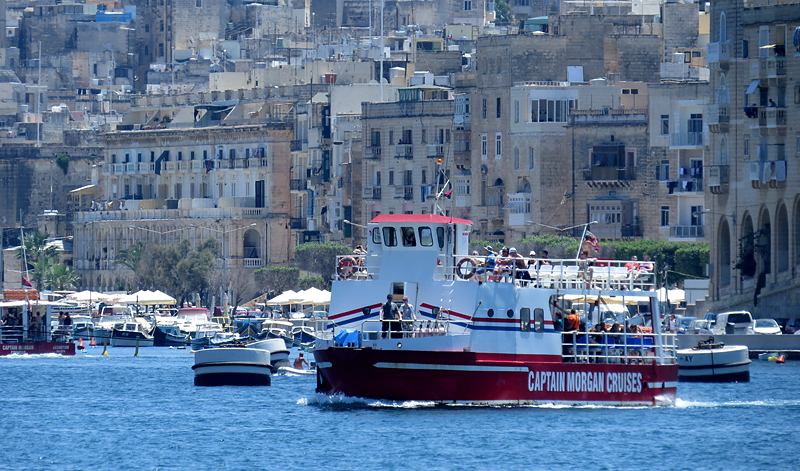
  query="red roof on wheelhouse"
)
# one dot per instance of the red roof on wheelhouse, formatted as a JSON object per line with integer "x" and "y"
{"x": 429, "y": 218}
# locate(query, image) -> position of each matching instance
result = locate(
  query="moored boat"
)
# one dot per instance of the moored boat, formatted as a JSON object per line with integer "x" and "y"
{"x": 711, "y": 362}
{"x": 236, "y": 366}
{"x": 482, "y": 338}
{"x": 169, "y": 335}
{"x": 131, "y": 334}
{"x": 279, "y": 354}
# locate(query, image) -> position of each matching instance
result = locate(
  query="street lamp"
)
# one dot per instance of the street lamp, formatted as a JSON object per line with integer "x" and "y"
{"x": 160, "y": 233}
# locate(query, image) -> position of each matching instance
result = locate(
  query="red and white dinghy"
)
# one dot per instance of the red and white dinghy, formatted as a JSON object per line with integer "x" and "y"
{"x": 477, "y": 341}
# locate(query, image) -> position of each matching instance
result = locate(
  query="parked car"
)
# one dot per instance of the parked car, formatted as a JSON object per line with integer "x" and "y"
{"x": 735, "y": 322}
{"x": 683, "y": 323}
{"x": 700, "y": 327}
{"x": 711, "y": 317}
{"x": 789, "y": 325}
{"x": 766, "y": 327}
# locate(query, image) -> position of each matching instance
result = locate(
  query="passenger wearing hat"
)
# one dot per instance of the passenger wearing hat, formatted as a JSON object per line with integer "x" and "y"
{"x": 520, "y": 268}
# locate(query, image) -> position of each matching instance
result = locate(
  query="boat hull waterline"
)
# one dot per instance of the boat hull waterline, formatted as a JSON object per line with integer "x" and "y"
{"x": 464, "y": 377}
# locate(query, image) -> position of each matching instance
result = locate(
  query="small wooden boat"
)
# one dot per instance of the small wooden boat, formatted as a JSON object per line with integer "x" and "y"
{"x": 712, "y": 362}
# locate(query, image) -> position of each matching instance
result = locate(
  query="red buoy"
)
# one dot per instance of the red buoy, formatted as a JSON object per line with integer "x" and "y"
{"x": 80, "y": 344}
{"x": 92, "y": 343}
{"x": 781, "y": 359}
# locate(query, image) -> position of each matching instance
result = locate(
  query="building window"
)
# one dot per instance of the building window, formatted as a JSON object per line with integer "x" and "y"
{"x": 745, "y": 49}
{"x": 746, "y": 150}
{"x": 484, "y": 145}
{"x": 484, "y": 108}
{"x": 424, "y": 176}
{"x": 191, "y": 155}
{"x": 198, "y": 3}
{"x": 697, "y": 216}
{"x": 391, "y": 177}
{"x": 152, "y": 156}
{"x": 516, "y": 159}
{"x": 139, "y": 157}
{"x": 664, "y": 216}
{"x": 498, "y": 107}
{"x": 551, "y": 111}
{"x": 664, "y": 124}
{"x": 378, "y": 178}
{"x": 530, "y": 158}
{"x": 498, "y": 145}
{"x": 662, "y": 171}
{"x": 516, "y": 111}
{"x": 205, "y": 155}
{"x": 180, "y": 155}
{"x": 113, "y": 158}
{"x": 467, "y": 5}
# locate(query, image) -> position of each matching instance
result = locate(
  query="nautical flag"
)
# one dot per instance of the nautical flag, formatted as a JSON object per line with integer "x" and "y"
{"x": 449, "y": 193}
{"x": 25, "y": 282}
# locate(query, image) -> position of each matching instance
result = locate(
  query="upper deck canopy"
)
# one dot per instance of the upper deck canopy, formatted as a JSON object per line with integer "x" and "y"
{"x": 419, "y": 218}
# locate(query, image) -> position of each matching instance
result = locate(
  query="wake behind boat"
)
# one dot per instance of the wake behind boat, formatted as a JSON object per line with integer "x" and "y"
{"x": 482, "y": 337}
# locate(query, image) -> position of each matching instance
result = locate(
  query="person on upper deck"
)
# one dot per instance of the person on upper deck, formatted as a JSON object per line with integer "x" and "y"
{"x": 573, "y": 322}
{"x": 544, "y": 256}
{"x": 504, "y": 264}
{"x": 390, "y": 317}
{"x": 586, "y": 268}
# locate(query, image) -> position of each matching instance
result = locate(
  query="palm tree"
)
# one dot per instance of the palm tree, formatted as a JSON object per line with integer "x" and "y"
{"x": 61, "y": 277}
{"x": 37, "y": 254}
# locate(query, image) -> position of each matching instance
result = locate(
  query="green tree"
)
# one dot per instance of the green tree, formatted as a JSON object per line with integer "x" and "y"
{"x": 62, "y": 160}
{"x": 61, "y": 277}
{"x": 38, "y": 255}
{"x": 307, "y": 282}
{"x": 320, "y": 258}
{"x": 277, "y": 279}
{"x": 504, "y": 15}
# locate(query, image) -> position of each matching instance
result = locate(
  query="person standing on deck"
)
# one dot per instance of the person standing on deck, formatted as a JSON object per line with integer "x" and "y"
{"x": 573, "y": 320}
{"x": 390, "y": 317}
{"x": 407, "y": 315}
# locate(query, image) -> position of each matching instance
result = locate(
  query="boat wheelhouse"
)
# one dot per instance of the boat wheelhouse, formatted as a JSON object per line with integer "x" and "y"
{"x": 484, "y": 338}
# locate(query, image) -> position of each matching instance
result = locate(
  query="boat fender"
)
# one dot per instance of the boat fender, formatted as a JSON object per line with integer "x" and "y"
{"x": 465, "y": 268}
{"x": 346, "y": 267}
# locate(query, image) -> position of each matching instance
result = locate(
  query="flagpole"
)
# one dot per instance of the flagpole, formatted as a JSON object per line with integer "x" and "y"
{"x": 24, "y": 254}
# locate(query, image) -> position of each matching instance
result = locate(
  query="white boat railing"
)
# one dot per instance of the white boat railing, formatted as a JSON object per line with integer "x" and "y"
{"x": 19, "y": 334}
{"x": 374, "y": 329}
{"x": 608, "y": 275}
{"x": 622, "y": 347}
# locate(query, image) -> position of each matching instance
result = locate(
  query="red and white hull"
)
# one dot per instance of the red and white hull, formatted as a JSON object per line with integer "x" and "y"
{"x": 37, "y": 348}
{"x": 474, "y": 378}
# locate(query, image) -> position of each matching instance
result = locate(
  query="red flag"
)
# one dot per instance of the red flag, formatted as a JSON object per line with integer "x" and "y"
{"x": 449, "y": 193}
{"x": 25, "y": 282}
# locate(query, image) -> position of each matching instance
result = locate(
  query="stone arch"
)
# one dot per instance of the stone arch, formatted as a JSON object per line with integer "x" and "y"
{"x": 724, "y": 254}
{"x": 782, "y": 238}
{"x": 763, "y": 242}
{"x": 746, "y": 261}
{"x": 796, "y": 232}
{"x": 251, "y": 244}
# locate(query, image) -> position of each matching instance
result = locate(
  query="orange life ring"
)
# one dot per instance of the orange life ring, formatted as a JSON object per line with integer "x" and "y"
{"x": 468, "y": 264}
{"x": 346, "y": 267}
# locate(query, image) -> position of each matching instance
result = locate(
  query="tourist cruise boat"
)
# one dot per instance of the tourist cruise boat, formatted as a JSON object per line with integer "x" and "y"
{"x": 481, "y": 339}
{"x": 19, "y": 334}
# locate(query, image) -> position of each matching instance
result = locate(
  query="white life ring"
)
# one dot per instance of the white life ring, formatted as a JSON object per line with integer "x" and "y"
{"x": 466, "y": 268}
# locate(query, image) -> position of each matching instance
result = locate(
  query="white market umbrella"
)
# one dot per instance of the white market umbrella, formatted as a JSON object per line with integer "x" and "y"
{"x": 283, "y": 298}
{"x": 86, "y": 296}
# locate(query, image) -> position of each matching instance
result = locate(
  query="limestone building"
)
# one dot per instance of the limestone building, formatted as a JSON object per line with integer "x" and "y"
{"x": 163, "y": 186}
{"x": 753, "y": 204}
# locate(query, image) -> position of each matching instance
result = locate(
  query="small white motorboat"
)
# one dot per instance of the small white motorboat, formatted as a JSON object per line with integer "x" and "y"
{"x": 279, "y": 354}
{"x": 234, "y": 366}
{"x": 714, "y": 363}
{"x": 295, "y": 371}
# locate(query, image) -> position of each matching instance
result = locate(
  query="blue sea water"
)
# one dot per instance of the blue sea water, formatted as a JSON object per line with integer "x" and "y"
{"x": 120, "y": 412}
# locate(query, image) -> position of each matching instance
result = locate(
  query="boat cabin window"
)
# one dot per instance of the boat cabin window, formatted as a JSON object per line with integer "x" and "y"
{"x": 538, "y": 319}
{"x": 440, "y": 236}
{"x": 409, "y": 239}
{"x": 510, "y": 313}
{"x": 425, "y": 236}
{"x": 376, "y": 236}
{"x": 389, "y": 236}
{"x": 490, "y": 313}
{"x": 525, "y": 319}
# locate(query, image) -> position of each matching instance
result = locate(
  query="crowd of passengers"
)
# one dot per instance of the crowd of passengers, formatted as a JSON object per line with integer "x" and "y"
{"x": 510, "y": 264}
{"x": 13, "y": 328}
{"x": 601, "y": 334}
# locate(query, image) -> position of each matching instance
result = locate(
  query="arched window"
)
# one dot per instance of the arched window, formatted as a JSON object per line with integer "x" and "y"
{"x": 723, "y": 28}
{"x": 723, "y": 94}
{"x": 723, "y": 152}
